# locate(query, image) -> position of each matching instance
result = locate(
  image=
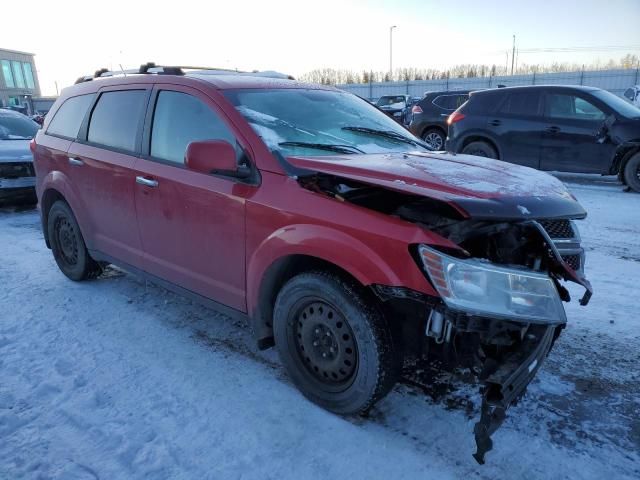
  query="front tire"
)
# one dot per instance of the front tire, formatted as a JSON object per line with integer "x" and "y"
{"x": 67, "y": 244}
{"x": 632, "y": 173}
{"x": 480, "y": 149}
{"x": 334, "y": 343}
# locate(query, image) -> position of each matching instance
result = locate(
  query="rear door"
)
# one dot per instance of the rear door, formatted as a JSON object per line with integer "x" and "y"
{"x": 192, "y": 224}
{"x": 104, "y": 158}
{"x": 570, "y": 141}
{"x": 517, "y": 127}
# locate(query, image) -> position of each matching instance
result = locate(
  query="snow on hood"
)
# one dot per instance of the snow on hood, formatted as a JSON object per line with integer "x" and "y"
{"x": 440, "y": 175}
{"x": 15, "y": 151}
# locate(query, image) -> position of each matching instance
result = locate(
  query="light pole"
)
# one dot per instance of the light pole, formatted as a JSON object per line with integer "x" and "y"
{"x": 391, "y": 51}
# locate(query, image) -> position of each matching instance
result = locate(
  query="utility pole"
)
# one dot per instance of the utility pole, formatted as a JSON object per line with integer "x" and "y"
{"x": 391, "y": 52}
{"x": 57, "y": 93}
{"x": 513, "y": 54}
{"x": 506, "y": 65}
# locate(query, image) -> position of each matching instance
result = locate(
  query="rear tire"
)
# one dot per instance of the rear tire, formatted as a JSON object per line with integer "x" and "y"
{"x": 480, "y": 149}
{"x": 335, "y": 345}
{"x": 67, "y": 244}
{"x": 434, "y": 138}
{"x": 632, "y": 173}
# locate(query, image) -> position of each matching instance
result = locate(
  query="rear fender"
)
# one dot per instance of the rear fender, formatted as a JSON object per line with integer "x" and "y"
{"x": 58, "y": 181}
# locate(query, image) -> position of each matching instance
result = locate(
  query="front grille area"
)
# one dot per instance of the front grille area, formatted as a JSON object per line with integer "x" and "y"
{"x": 558, "y": 228}
{"x": 16, "y": 170}
{"x": 573, "y": 261}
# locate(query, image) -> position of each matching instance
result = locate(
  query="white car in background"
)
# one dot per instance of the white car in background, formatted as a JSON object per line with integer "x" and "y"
{"x": 633, "y": 95}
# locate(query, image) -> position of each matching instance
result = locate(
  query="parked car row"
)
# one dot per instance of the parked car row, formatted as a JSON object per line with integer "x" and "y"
{"x": 558, "y": 128}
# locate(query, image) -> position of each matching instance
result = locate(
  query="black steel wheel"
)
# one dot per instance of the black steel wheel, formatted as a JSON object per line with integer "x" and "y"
{"x": 67, "y": 244}
{"x": 326, "y": 345}
{"x": 334, "y": 342}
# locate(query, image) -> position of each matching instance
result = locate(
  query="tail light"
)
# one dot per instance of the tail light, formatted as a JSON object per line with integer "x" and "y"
{"x": 416, "y": 109}
{"x": 455, "y": 117}
{"x": 32, "y": 145}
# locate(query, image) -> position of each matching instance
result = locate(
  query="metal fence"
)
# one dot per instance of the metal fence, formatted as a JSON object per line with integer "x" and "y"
{"x": 616, "y": 81}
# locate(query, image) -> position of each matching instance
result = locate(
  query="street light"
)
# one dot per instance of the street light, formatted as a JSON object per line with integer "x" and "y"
{"x": 391, "y": 51}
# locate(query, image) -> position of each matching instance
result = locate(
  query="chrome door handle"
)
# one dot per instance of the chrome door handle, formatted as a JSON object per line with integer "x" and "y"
{"x": 75, "y": 161}
{"x": 147, "y": 182}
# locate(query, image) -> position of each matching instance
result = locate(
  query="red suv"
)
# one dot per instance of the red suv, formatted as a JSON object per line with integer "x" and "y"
{"x": 340, "y": 236}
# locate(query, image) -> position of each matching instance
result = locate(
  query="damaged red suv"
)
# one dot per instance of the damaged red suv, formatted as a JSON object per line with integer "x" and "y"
{"x": 341, "y": 237}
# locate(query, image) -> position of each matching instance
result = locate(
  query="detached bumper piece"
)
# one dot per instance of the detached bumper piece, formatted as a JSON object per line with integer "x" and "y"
{"x": 505, "y": 381}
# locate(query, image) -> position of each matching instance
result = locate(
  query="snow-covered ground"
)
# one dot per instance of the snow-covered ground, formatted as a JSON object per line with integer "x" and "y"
{"x": 116, "y": 378}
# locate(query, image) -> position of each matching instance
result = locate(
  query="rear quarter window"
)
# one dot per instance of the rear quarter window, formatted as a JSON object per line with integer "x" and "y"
{"x": 483, "y": 102}
{"x": 69, "y": 117}
{"x": 116, "y": 118}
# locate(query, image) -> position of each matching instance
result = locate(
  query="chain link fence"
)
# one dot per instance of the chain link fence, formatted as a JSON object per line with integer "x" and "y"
{"x": 615, "y": 81}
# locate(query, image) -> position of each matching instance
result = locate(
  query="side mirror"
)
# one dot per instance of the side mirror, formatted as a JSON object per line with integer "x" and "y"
{"x": 213, "y": 156}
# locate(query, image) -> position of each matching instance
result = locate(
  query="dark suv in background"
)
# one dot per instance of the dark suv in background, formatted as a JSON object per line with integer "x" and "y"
{"x": 562, "y": 128}
{"x": 429, "y": 116}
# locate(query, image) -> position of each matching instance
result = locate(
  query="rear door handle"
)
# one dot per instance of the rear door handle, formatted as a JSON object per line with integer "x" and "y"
{"x": 553, "y": 129}
{"x": 75, "y": 161}
{"x": 147, "y": 182}
{"x": 495, "y": 123}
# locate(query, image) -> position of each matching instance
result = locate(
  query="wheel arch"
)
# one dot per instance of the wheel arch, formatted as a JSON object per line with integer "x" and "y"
{"x": 478, "y": 137}
{"x": 56, "y": 186}
{"x": 433, "y": 126}
{"x": 298, "y": 248}
{"x": 623, "y": 154}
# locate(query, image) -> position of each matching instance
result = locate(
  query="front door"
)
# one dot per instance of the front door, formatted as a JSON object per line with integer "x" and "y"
{"x": 191, "y": 224}
{"x": 570, "y": 140}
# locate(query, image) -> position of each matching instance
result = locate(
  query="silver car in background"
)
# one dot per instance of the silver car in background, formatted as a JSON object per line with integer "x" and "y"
{"x": 17, "y": 175}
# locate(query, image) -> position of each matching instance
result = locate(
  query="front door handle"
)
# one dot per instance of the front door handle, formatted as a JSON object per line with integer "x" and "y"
{"x": 75, "y": 161}
{"x": 495, "y": 123}
{"x": 147, "y": 182}
{"x": 553, "y": 129}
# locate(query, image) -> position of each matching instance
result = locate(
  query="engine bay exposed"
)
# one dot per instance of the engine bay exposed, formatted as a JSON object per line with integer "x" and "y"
{"x": 504, "y": 354}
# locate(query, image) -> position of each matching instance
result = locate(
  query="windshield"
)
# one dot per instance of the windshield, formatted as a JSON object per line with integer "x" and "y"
{"x": 621, "y": 106}
{"x": 16, "y": 127}
{"x": 395, "y": 101}
{"x": 320, "y": 122}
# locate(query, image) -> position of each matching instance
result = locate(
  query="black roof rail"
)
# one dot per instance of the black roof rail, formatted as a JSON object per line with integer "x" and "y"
{"x": 152, "y": 68}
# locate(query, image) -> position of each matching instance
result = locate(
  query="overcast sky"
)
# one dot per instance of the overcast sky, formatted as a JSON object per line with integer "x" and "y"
{"x": 72, "y": 38}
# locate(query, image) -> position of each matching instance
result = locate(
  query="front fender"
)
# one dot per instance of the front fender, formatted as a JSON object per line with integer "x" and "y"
{"x": 366, "y": 264}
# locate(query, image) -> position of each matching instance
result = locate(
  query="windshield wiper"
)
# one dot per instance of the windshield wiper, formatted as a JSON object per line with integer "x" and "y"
{"x": 388, "y": 134}
{"x": 323, "y": 146}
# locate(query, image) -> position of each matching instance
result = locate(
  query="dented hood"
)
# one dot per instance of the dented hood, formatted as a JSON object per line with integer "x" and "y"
{"x": 477, "y": 187}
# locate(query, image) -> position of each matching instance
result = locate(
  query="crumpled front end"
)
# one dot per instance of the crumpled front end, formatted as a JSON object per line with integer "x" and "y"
{"x": 501, "y": 305}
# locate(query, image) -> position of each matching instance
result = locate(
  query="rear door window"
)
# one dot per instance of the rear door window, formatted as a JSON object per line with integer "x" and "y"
{"x": 562, "y": 105}
{"x": 67, "y": 120}
{"x": 116, "y": 119}
{"x": 522, "y": 104}
{"x": 450, "y": 102}
{"x": 180, "y": 119}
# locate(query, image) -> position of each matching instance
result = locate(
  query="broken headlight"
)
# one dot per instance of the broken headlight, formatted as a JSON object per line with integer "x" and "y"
{"x": 484, "y": 288}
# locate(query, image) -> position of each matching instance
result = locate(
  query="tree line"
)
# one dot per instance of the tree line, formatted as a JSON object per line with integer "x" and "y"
{"x": 332, "y": 76}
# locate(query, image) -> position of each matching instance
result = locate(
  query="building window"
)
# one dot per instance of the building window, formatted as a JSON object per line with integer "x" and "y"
{"x": 8, "y": 76}
{"x": 17, "y": 74}
{"x": 28, "y": 75}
